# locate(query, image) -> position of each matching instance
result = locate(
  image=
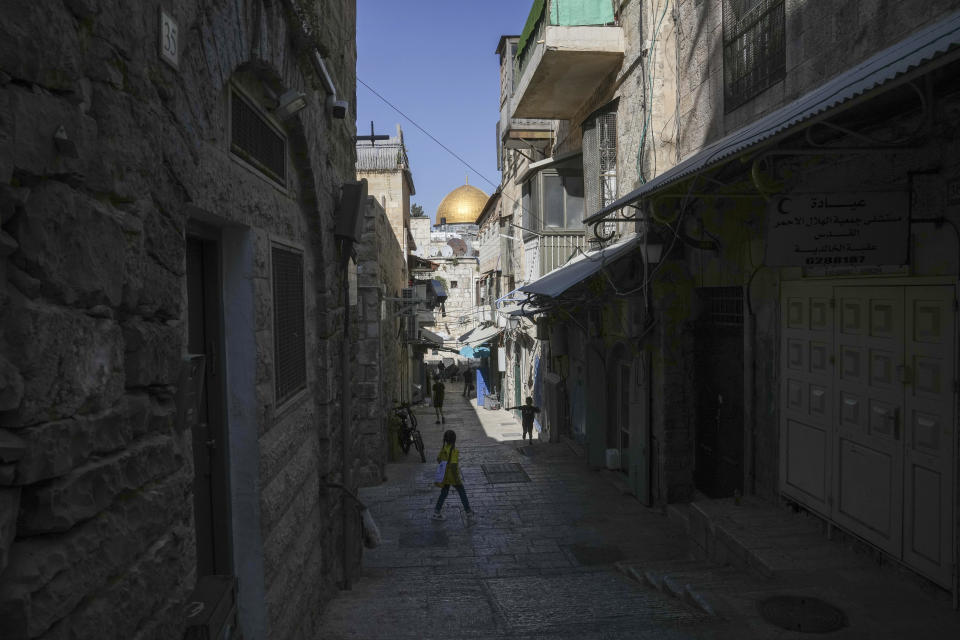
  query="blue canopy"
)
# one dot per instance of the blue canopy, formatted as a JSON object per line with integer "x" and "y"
{"x": 467, "y": 352}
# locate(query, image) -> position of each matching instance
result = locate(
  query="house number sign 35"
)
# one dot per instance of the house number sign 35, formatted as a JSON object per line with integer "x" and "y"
{"x": 169, "y": 40}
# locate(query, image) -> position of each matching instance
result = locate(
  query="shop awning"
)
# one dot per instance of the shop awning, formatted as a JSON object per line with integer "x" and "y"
{"x": 464, "y": 337}
{"x": 923, "y": 46}
{"x": 429, "y": 336}
{"x": 582, "y": 267}
{"x": 481, "y": 336}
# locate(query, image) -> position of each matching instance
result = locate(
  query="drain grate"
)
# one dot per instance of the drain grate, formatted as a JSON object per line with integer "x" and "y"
{"x": 504, "y": 473}
{"x": 588, "y": 555}
{"x": 802, "y": 614}
{"x": 423, "y": 539}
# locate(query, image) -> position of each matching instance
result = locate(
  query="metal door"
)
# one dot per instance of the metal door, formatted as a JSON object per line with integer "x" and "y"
{"x": 640, "y": 431}
{"x": 807, "y": 393}
{"x": 623, "y": 415}
{"x": 204, "y": 336}
{"x": 929, "y": 430}
{"x": 868, "y": 479}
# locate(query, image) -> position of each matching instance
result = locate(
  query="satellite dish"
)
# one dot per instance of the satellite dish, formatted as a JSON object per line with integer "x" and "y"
{"x": 434, "y": 252}
{"x": 446, "y": 252}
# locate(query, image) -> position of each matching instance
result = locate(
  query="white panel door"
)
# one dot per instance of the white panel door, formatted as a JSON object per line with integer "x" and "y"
{"x": 929, "y": 427}
{"x": 868, "y": 477}
{"x": 807, "y": 393}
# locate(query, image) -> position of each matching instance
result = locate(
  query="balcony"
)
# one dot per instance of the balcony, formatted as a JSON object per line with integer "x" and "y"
{"x": 567, "y": 49}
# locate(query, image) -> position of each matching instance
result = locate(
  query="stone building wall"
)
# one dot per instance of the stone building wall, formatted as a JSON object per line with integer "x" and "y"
{"x": 97, "y": 529}
{"x": 822, "y": 40}
{"x": 381, "y": 356}
{"x": 460, "y": 306}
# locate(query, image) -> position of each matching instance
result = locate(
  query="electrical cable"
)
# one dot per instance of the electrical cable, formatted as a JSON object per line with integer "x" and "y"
{"x": 523, "y": 210}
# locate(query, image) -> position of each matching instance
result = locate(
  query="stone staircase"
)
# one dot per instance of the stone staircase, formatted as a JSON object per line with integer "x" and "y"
{"x": 698, "y": 583}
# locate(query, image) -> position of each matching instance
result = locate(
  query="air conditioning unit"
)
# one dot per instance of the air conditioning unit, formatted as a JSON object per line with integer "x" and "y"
{"x": 408, "y": 294}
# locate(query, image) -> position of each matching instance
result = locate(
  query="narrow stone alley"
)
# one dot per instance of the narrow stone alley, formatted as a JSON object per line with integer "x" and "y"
{"x": 538, "y": 562}
{"x": 559, "y": 551}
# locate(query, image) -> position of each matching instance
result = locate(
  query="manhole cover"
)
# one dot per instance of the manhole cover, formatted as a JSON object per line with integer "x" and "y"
{"x": 504, "y": 473}
{"x": 803, "y": 614}
{"x": 421, "y": 539}
{"x": 589, "y": 555}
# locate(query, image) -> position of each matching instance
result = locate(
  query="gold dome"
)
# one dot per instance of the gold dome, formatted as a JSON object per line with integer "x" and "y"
{"x": 462, "y": 205}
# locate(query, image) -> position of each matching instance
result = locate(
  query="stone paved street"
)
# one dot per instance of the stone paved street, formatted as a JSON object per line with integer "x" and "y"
{"x": 538, "y": 563}
{"x": 559, "y": 551}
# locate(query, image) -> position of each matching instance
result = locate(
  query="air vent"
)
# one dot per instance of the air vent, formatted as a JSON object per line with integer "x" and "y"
{"x": 258, "y": 143}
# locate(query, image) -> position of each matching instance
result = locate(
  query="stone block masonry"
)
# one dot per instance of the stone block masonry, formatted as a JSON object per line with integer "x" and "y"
{"x": 103, "y": 488}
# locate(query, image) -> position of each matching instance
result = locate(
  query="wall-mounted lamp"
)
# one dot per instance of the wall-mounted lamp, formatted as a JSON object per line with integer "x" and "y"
{"x": 289, "y": 104}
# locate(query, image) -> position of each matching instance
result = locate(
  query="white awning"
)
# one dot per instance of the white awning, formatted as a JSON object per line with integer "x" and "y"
{"x": 480, "y": 336}
{"x": 429, "y": 336}
{"x": 923, "y": 46}
{"x": 583, "y": 266}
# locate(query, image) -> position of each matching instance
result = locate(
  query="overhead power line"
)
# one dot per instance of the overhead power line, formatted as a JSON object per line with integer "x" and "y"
{"x": 429, "y": 135}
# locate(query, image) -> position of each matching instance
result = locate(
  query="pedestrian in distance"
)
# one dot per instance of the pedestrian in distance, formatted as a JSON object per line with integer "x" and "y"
{"x": 527, "y": 413}
{"x": 467, "y": 384}
{"x": 451, "y": 476}
{"x": 438, "y": 390}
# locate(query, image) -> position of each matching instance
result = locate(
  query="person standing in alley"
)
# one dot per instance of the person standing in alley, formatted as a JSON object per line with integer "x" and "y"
{"x": 468, "y": 383}
{"x": 451, "y": 476}
{"x": 527, "y": 413}
{"x": 438, "y": 391}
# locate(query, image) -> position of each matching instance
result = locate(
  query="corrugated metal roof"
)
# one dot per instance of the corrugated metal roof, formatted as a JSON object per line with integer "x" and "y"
{"x": 380, "y": 158}
{"x": 921, "y": 47}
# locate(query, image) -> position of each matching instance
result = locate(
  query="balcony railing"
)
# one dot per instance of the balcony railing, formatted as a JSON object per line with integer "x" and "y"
{"x": 556, "y": 249}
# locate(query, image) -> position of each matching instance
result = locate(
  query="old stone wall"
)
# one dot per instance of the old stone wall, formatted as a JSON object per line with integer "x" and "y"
{"x": 97, "y": 529}
{"x": 822, "y": 39}
{"x": 461, "y": 297}
{"x": 381, "y": 274}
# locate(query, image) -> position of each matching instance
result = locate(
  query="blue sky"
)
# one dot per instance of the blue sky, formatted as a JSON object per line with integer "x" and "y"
{"x": 435, "y": 61}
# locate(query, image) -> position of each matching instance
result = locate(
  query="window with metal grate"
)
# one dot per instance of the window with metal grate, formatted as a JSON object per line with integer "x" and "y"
{"x": 256, "y": 141}
{"x": 600, "y": 160}
{"x": 289, "y": 324}
{"x": 722, "y": 306}
{"x": 754, "y": 48}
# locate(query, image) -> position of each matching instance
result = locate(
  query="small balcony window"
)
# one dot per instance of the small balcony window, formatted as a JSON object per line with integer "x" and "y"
{"x": 553, "y": 198}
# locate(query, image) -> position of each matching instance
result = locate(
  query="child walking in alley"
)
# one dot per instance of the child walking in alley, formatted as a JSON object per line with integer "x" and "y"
{"x": 438, "y": 390}
{"x": 527, "y": 412}
{"x": 451, "y": 476}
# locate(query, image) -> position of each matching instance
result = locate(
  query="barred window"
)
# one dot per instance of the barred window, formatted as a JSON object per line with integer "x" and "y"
{"x": 722, "y": 306}
{"x": 754, "y": 52}
{"x": 256, "y": 141}
{"x": 600, "y": 160}
{"x": 289, "y": 325}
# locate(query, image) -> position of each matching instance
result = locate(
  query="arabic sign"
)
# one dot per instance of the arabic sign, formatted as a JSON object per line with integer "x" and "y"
{"x": 838, "y": 229}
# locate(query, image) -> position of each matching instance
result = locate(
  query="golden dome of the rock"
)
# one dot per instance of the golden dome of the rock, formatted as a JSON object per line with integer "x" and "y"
{"x": 462, "y": 205}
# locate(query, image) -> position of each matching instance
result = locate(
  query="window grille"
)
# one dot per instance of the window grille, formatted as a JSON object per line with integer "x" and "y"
{"x": 289, "y": 327}
{"x": 254, "y": 140}
{"x": 600, "y": 162}
{"x": 722, "y": 306}
{"x": 754, "y": 52}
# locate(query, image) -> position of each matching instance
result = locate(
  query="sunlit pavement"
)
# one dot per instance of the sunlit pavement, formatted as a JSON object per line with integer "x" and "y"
{"x": 559, "y": 551}
{"x": 538, "y": 562}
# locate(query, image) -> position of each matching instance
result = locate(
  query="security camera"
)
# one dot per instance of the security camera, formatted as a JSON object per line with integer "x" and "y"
{"x": 339, "y": 109}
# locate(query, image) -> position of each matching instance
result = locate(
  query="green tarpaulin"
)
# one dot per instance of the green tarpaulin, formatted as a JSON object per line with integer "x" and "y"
{"x": 572, "y": 13}
{"x": 566, "y": 13}
{"x": 535, "y": 12}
